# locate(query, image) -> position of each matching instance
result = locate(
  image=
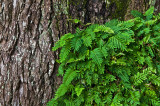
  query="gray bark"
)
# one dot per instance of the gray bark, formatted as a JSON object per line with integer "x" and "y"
{"x": 27, "y": 63}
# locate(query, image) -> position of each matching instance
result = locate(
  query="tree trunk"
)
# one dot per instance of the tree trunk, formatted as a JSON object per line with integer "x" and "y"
{"x": 27, "y": 63}
{"x": 28, "y": 31}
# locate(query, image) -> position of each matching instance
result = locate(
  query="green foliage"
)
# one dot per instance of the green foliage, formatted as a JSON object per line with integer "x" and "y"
{"x": 114, "y": 64}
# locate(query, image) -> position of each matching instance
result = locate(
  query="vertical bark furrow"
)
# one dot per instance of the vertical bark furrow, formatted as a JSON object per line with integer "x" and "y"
{"x": 26, "y": 57}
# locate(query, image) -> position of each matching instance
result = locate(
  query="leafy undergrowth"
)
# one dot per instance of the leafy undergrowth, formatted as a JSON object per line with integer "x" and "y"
{"x": 114, "y": 64}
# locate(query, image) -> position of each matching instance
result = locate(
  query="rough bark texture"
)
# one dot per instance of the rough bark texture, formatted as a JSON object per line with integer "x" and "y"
{"x": 28, "y": 31}
{"x": 26, "y": 60}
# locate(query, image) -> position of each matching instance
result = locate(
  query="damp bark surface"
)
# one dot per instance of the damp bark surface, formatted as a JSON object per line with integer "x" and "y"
{"x": 28, "y": 31}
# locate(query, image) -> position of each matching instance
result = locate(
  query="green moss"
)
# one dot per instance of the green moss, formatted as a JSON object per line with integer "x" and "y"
{"x": 121, "y": 8}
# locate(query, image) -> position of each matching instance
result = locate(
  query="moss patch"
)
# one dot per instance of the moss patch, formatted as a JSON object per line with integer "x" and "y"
{"x": 118, "y": 8}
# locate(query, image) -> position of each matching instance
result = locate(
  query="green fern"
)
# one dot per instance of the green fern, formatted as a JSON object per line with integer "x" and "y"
{"x": 76, "y": 43}
{"x": 96, "y": 55}
{"x": 64, "y": 53}
{"x": 69, "y": 76}
{"x": 136, "y": 13}
{"x": 115, "y": 43}
{"x": 114, "y": 64}
{"x": 149, "y": 13}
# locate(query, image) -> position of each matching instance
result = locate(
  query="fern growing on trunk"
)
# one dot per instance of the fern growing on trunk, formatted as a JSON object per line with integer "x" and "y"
{"x": 115, "y": 64}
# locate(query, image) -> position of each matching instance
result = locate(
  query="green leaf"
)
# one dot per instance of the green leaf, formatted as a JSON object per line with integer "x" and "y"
{"x": 61, "y": 91}
{"x": 96, "y": 55}
{"x": 76, "y": 43}
{"x": 61, "y": 69}
{"x": 149, "y": 11}
{"x": 69, "y": 76}
{"x": 103, "y": 28}
{"x": 114, "y": 42}
{"x": 104, "y": 51}
{"x": 108, "y": 30}
{"x": 78, "y": 90}
{"x": 150, "y": 22}
{"x": 76, "y": 21}
{"x": 62, "y": 41}
{"x": 87, "y": 40}
{"x": 136, "y": 13}
{"x": 64, "y": 53}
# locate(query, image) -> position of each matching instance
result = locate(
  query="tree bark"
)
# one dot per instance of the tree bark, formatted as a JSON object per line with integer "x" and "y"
{"x": 28, "y": 31}
{"x": 27, "y": 63}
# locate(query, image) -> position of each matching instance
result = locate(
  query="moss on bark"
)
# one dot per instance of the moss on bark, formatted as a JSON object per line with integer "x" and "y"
{"x": 120, "y": 8}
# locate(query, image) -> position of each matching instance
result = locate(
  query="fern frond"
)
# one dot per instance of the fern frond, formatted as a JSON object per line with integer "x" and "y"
{"x": 108, "y": 98}
{"x": 69, "y": 76}
{"x": 150, "y": 22}
{"x": 61, "y": 69}
{"x": 149, "y": 13}
{"x": 96, "y": 55}
{"x": 76, "y": 43}
{"x": 126, "y": 24}
{"x": 104, "y": 51}
{"x": 155, "y": 102}
{"x": 117, "y": 100}
{"x": 62, "y": 41}
{"x": 78, "y": 90}
{"x": 135, "y": 95}
{"x": 87, "y": 40}
{"x": 78, "y": 101}
{"x": 88, "y": 78}
{"x": 114, "y": 43}
{"x": 64, "y": 52}
{"x": 104, "y": 29}
{"x": 148, "y": 60}
{"x": 112, "y": 23}
{"x": 156, "y": 27}
{"x": 61, "y": 91}
{"x": 97, "y": 98}
{"x": 52, "y": 102}
{"x": 155, "y": 79}
{"x": 136, "y": 13}
{"x": 141, "y": 77}
{"x": 125, "y": 38}
{"x": 150, "y": 51}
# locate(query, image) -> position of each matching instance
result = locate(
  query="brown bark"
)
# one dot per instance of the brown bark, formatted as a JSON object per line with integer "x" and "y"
{"x": 26, "y": 59}
{"x": 28, "y": 31}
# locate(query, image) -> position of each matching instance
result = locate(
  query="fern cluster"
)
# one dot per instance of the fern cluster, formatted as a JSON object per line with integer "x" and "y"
{"x": 115, "y": 64}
